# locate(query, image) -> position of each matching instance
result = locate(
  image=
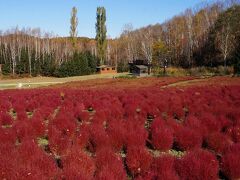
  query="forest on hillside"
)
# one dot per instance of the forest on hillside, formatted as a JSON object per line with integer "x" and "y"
{"x": 206, "y": 35}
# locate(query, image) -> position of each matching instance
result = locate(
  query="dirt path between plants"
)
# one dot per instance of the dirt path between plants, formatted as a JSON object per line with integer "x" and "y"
{"x": 207, "y": 81}
{"x": 186, "y": 83}
{"x": 46, "y": 81}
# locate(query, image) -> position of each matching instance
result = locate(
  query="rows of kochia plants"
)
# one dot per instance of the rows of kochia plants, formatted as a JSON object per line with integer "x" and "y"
{"x": 152, "y": 133}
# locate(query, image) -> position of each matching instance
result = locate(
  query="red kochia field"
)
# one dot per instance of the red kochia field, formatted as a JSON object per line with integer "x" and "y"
{"x": 142, "y": 132}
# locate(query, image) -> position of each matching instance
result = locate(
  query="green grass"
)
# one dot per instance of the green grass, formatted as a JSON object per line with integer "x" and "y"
{"x": 42, "y": 141}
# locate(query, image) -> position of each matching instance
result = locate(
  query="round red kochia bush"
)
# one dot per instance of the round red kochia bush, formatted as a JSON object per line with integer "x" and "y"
{"x": 58, "y": 142}
{"x": 163, "y": 168}
{"x": 193, "y": 122}
{"x": 136, "y": 134}
{"x": 98, "y": 137}
{"x": 218, "y": 142}
{"x": 138, "y": 160}
{"x": 37, "y": 125}
{"x": 162, "y": 136}
{"x": 210, "y": 122}
{"x": 78, "y": 163}
{"x": 231, "y": 162}
{"x": 32, "y": 162}
{"x": 5, "y": 119}
{"x": 65, "y": 123}
{"x": 109, "y": 165}
{"x": 8, "y": 136}
{"x": 197, "y": 164}
{"x": 23, "y": 130}
{"x": 187, "y": 139}
{"x": 234, "y": 133}
{"x": 116, "y": 132}
{"x": 82, "y": 138}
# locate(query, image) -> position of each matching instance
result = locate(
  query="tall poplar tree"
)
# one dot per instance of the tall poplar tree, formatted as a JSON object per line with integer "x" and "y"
{"x": 101, "y": 34}
{"x": 73, "y": 27}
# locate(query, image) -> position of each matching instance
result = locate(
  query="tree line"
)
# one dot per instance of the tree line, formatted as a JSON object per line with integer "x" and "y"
{"x": 206, "y": 35}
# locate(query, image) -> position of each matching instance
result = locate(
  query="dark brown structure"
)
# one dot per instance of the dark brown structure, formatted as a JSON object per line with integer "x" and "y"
{"x": 140, "y": 68}
{"x": 0, "y": 69}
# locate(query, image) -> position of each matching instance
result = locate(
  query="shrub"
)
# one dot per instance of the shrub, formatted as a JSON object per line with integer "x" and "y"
{"x": 5, "y": 119}
{"x": 187, "y": 139}
{"x": 138, "y": 160}
{"x": 109, "y": 165}
{"x": 231, "y": 162}
{"x": 78, "y": 164}
{"x": 198, "y": 164}
{"x": 82, "y": 139}
{"x": 218, "y": 142}
{"x": 37, "y": 124}
{"x": 7, "y": 136}
{"x": 163, "y": 168}
{"x": 135, "y": 135}
{"x": 162, "y": 136}
{"x": 65, "y": 123}
{"x": 234, "y": 133}
{"x": 98, "y": 137}
{"x": 23, "y": 130}
{"x": 116, "y": 132}
{"x": 210, "y": 122}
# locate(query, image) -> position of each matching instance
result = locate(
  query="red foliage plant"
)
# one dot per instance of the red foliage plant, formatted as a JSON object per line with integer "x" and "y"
{"x": 38, "y": 125}
{"x": 58, "y": 141}
{"x": 5, "y": 119}
{"x": 210, "y": 122}
{"x": 218, "y": 142}
{"x": 7, "y": 136}
{"x": 23, "y": 130}
{"x": 78, "y": 164}
{"x": 116, "y": 132}
{"x": 33, "y": 162}
{"x": 162, "y": 168}
{"x": 98, "y": 137}
{"x": 198, "y": 164}
{"x": 162, "y": 136}
{"x": 187, "y": 139}
{"x": 234, "y": 133}
{"x": 66, "y": 123}
{"x": 138, "y": 160}
{"x": 231, "y": 162}
{"x": 136, "y": 134}
{"x": 109, "y": 165}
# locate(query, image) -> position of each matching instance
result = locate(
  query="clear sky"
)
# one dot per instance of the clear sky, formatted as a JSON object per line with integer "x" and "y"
{"x": 54, "y": 15}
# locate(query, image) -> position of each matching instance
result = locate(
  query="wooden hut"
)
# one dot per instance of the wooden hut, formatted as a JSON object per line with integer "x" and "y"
{"x": 106, "y": 69}
{"x": 140, "y": 68}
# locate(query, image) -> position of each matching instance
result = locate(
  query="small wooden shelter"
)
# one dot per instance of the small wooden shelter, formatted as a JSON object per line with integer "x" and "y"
{"x": 140, "y": 68}
{"x": 106, "y": 69}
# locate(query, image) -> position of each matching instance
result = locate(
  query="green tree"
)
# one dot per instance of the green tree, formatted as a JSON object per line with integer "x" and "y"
{"x": 92, "y": 62}
{"x": 73, "y": 27}
{"x": 77, "y": 66}
{"x": 221, "y": 41}
{"x": 101, "y": 34}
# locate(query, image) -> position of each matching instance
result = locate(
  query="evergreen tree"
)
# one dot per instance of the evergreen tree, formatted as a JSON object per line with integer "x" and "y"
{"x": 73, "y": 27}
{"x": 77, "y": 66}
{"x": 92, "y": 62}
{"x": 101, "y": 34}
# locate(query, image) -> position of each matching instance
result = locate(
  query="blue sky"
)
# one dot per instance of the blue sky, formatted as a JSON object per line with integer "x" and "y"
{"x": 54, "y": 15}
